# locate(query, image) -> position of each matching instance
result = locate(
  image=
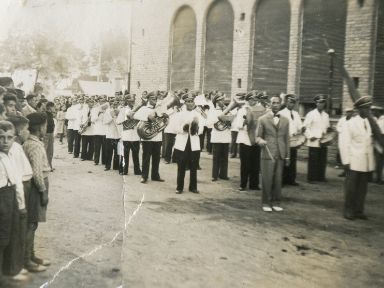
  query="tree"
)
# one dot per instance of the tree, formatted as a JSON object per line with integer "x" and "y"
{"x": 52, "y": 59}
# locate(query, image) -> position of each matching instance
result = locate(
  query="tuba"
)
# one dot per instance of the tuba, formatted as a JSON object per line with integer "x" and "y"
{"x": 225, "y": 122}
{"x": 149, "y": 129}
{"x": 130, "y": 123}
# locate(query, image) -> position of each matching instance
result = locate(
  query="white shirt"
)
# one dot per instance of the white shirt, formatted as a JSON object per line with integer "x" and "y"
{"x": 84, "y": 121}
{"x": 97, "y": 116}
{"x": 142, "y": 115}
{"x": 233, "y": 125}
{"x": 242, "y": 137}
{"x": 316, "y": 125}
{"x": 110, "y": 121}
{"x": 357, "y": 148}
{"x": 73, "y": 116}
{"x": 182, "y": 118}
{"x": 216, "y": 135}
{"x": 9, "y": 172}
{"x": 130, "y": 134}
{"x": 20, "y": 160}
{"x": 211, "y": 108}
{"x": 172, "y": 125}
{"x": 295, "y": 124}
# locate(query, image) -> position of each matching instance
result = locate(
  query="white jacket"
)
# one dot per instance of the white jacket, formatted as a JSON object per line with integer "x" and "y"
{"x": 112, "y": 132}
{"x": 357, "y": 148}
{"x": 127, "y": 135}
{"x": 216, "y": 135}
{"x": 316, "y": 125}
{"x": 295, "y": 124}
{"x": 97, "y": 116}
{"x": 142, "y": 115}
{"x": 182, "y": 118}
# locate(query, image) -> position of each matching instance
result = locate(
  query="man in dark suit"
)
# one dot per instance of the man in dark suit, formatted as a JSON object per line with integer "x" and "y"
{"x": 272, "y": 135}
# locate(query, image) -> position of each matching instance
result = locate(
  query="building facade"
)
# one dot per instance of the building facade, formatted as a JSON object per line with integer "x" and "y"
{"x": 273, "y": 45}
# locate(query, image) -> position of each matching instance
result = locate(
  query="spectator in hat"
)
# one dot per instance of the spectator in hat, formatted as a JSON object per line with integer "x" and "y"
{"x": 2, "y": 92}
{"x": 6, "y": 82}
{"x": 316, "y": 125}
{"x": 38, "y": 197}
{"x": 358, "y": 157}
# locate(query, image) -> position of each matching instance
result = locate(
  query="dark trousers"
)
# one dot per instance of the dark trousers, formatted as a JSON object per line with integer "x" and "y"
{"x": 8, "y": 220}
{"x": 379, "y": 165}
{"x": 70, "y": 139}
{"x": 187, "y": 159}
{"x": 87, "y": 147}
{"x": 77, "y": 136}
{"x": 134, "y": 147}
{"x": 206, "y": 132}
{"x": 220, "y": 160}
{"x": 249, "y": 166}
{"x": 151, "y": 150}
{"x": 169, "y": 143}
{"x": 99, "y": 144}
{"x": 355, "y": 186}
{"x": 289, "y": 172}
{"x": 111, "y": 153}
{"x": 233, "y": 143}
{"x": 317, "y": 163}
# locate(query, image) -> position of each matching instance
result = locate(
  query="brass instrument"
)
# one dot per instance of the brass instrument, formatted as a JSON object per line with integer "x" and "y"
{"x": 225, "y": 122}
{"x": 149, "y": 129}
{"x": 130, "y": 123}
{"x": 201, "y": 111}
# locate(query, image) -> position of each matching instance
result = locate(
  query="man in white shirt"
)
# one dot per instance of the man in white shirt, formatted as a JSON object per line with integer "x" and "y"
{"x": 220, "y": 139}
{"x": 295, "y": 128}
{"x": 188, "y": 125}
{"x": 378, "y": 112}
{"x": 30, "y": 106}
{"x": 316, "y": 126}
{"x": 151, "y": 147}
{"x": 87, "y": 139}
{"x": 11, "y": 196}
{"x": 112, "y": 136}
{"x": 130, "y": 138}
{"x": 340, "y": 128}
{"x": 358, "y": 158}
{"x": 97, "y": 116}
{"x": 73, "y": 116}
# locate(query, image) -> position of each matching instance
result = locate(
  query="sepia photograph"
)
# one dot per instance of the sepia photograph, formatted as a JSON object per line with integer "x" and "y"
{"x": 191, "y": 143}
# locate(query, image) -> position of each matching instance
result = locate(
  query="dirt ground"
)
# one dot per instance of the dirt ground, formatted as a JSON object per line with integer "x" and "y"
{"x": 218, "y": 238}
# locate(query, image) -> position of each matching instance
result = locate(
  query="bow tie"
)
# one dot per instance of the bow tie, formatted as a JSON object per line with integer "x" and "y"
{"x": 276, "y": 115}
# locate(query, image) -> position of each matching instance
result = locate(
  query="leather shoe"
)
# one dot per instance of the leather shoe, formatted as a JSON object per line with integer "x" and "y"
{"x": 158, "y": 180}
{"x": 241, "y": 189}
{"x": 143, "y": 180}
{"x": 179, "y": 191}
{"x": 214, "y": 179}
{"x": 349, "y": 217}
{"x": 295, "y": 184}
{"x": 255, "y": 188}
{"x": 225, "y": 178}
{"x": 195, "y": 191}
{"x": 40, "y": 261}
{"x": 34, "y": 268}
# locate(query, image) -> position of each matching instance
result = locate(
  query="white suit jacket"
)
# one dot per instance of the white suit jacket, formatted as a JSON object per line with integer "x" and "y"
{"x": 182, "y": 118}
{"x": 316, "y": 125}
{"x": 357, "y": 148}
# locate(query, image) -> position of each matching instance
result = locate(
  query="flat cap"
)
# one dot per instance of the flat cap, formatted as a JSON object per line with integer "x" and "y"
{"x": 364, "y": 101}
{"x": 320, "y": 98}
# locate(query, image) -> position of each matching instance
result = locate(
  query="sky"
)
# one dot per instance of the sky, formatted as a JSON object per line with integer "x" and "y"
{"x": 78, "y": 21}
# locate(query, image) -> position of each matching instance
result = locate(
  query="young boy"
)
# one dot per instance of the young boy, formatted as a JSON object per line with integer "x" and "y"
{"x": 38, "y": 196}
{"x": 12, "y": 202}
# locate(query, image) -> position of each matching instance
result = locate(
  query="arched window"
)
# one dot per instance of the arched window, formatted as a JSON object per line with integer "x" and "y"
{"x": 325, "y": 19}
{"x": 271, "y": 46}
{"x": 378, "y": 87}
{"x": 218, "y": 48}
{"x": 183, "y": 49}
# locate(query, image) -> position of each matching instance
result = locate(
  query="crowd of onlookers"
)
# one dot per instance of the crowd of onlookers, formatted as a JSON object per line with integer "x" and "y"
{"x": 26, "y": 150}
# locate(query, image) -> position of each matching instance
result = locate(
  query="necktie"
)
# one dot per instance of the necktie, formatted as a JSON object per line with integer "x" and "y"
{"x": 291, "y": 115}
{"x": 276, "y": 119}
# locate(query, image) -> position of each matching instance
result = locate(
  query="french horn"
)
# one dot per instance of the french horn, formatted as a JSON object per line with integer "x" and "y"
{"x": 131, "y": 123}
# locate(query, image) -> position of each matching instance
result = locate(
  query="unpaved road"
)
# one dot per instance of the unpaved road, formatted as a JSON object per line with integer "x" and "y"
{"x": 219, "y": 238}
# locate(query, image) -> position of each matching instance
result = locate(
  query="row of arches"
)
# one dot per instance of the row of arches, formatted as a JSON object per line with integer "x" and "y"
{"x": 270, "y": 42}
